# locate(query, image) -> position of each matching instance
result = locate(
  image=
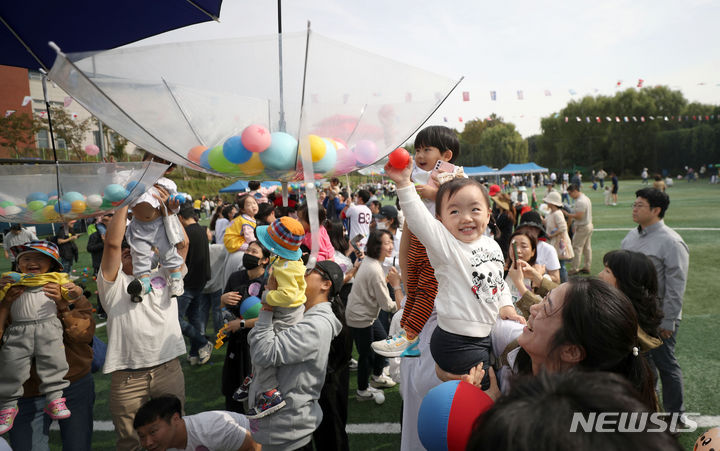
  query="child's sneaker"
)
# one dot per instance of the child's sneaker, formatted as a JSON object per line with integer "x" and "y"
{"x": 7, "y": 418}
{"x": 382, "y": 381}
{"x": 57, "y": 409}
{"x": 270, "y": 402}
{"x": 411, "y": 351}
{"x": 366, "y": 395}
{"x": 136, "y": 290}
{"x": 393, "y": 346}
{"x": 241, "y": 394}
{"x": 177, "y": 286}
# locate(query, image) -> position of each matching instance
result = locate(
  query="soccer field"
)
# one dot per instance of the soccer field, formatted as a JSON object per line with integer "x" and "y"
{"x": 694, "y": 212}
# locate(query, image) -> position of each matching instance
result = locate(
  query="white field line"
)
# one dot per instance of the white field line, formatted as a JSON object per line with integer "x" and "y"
{"x": 689, "y": 229}
{"x": 703, "y": 421}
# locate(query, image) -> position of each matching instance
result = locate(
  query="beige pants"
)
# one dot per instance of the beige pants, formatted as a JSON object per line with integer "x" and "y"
{"x": 582, "y": 246}
{"x": 131, "y": 389}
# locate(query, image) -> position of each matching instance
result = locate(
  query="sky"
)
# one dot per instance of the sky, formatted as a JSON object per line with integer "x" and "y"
{"x": 508, "y": 46}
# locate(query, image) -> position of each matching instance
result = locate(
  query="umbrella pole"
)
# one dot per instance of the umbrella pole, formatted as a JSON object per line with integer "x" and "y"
{"x": 52, "y": 139}
{"x": 285, "y": 193}
{"x": 281, "y": 124}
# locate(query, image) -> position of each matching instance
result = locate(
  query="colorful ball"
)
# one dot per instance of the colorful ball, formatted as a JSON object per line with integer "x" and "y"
{"x": 281, "y": 154}
{"x": 135, "y": 186}
{"x": 234, "y": 151}
{"x": 204, "y": 162}
{"x": 218, "y": 162}
{"x": 250, "y": 307}
{"x": 346, "y": 161}
{"x": 12, "y": 210}
{"x": 49, "y": 214}
{"x": 63, "y": 207}
{"x": 448, "y": 413}
{"x": 94, "y": 201}
{"x": 115, "y": 192}
{"x": 106, "y": 204}
{"x": 253, "y": 166}
{"x": 318, "y": 147}
{"x": 195, "y": 153}
{"x": 78, "y": 206}
{"x": 72, "y": 196}
{"x": 36, "y": 205}
{"x": 366, "y": 152}
{"x": 327, "y": 163}
{"x": 256, "y": 138}
{"x": 180, "y": 197}
{"x": 92, "y": 149}
{"x": 399, "y": 158}
{"x": 37, "y": 196}
{"x": 6, "y": 203}
{"x": 708, "y": 441}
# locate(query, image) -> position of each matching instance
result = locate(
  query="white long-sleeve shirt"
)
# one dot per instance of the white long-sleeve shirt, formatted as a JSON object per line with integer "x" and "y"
{"x": 471, "y": 288}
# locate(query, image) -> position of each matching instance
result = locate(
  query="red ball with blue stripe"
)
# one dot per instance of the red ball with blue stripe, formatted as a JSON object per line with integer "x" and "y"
{"x": 447, "y": 415}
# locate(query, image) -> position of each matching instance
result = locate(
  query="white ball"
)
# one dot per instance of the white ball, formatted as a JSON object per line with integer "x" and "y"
{"x": 94, "y": 200}
{"x": 379, "y": 398}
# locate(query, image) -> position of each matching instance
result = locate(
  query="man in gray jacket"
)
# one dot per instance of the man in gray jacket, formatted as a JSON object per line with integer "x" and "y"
{"x": 670, "y": 254}
{"x": 300, "y": 354}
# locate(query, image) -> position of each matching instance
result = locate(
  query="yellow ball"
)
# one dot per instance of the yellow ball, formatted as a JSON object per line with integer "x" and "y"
{"x": 50, "y": 214}
{"x": 78, "y": 206}
{"x": 253, "y": 166}
{"x": 317, "y": 148}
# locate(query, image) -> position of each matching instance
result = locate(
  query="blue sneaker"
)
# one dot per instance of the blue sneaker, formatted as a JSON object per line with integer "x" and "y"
{"x": 411, "y": 351}
{"x": 394, "y": 346}
{"x": 270, "y": 402}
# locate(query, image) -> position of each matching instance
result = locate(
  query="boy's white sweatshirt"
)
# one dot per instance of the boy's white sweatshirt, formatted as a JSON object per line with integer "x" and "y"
{"x": 471, "y": 288}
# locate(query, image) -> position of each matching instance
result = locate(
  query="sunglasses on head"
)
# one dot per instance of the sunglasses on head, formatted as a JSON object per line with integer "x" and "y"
{"x": 324, "y": 274}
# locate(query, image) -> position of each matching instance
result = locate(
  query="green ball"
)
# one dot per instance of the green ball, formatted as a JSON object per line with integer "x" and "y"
{"x": 6, "y": 203}
{"x": 218, "y": 162}
{"x": 36, "y": 205}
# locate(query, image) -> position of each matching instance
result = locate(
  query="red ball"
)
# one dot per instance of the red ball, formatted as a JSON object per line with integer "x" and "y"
{"x": 399, "y": 158}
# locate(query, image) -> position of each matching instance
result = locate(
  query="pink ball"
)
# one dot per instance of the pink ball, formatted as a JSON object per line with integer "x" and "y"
{"x": 255, "y": 138}
{"x": 345, "y": 161}
{"x": 92, "y": 149}
{"x": 366, "y": 152}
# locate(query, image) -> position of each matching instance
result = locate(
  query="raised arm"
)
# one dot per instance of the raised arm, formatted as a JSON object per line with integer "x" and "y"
{"x": 112, "y": 254}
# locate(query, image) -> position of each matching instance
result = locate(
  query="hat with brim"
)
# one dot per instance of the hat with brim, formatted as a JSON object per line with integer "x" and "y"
{"x": 532, "y": 219}
{"x": 523, "y": 188}
{"x": 333, "y": 272}
{"x": 553, "y": 198}
{"x": 501, "y": 203}
{"x": 44, "y": 247}
{"x": 283, "y": 237}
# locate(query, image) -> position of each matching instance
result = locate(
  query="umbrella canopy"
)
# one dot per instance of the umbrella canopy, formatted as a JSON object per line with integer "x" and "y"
{"x": 83, "y": 25}
{"x": 233, "y": 107}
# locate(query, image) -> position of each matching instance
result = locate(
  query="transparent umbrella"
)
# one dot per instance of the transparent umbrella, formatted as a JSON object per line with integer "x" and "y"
{"x": 291, "y": 106}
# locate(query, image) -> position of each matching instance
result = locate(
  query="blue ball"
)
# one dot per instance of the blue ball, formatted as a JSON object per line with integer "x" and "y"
{"x": 135, "y": 186}
{"x": 37, "y": 196}
{"x": 52, "y": 193}
{"x": 250, "y": 307}
{"x": 63, "y": 207}
{"x": 72, "y": 196}
{"x": 204, "y": 162}
{"x": 235, "y": 152}
{"x": 282, "y": 153}
{"x": 180, "y": 197}
{"x": 327, "y": 163}
{"x": 115, "y": 192}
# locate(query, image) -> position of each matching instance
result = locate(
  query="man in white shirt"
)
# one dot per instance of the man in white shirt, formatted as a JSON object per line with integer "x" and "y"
{"x": 144, "y": 338}
{"x": 161, "y": 427}
{"x": 15, "y": 237}
{"x": 359, "y": 217}
{"x": 581, "y": 242}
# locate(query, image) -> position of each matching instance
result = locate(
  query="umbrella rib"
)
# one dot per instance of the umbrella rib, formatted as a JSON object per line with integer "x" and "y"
{"x": 17, "y": 36}
{"x": 204, "y": 11}
{"x": 200, "y": 140}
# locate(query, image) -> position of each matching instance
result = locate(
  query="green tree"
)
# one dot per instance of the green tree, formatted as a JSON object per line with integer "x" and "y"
{"x": 17, "y": 133}
{"x": 71, "y": 130}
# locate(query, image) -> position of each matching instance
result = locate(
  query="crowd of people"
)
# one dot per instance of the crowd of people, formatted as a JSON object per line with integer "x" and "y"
{"x": 456, "y": 280}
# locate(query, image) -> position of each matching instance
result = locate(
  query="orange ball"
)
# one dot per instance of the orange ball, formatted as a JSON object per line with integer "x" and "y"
{"x": 195, "y": 152}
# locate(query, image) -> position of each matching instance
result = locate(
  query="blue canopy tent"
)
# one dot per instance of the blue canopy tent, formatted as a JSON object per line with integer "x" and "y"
{"x": 479, "y": 171}
{"x": 242, "y": 185}
{"x": 524, "y": 168}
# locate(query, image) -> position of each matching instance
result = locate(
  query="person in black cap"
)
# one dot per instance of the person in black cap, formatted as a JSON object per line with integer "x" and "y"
{"x": 531, "y": 223}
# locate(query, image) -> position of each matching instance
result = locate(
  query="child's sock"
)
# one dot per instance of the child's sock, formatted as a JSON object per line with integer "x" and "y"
{"x": 145, "y": 280}
{"x": 177, "y": 286}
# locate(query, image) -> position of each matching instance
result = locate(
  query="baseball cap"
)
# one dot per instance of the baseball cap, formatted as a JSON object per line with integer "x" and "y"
{"x": 331, "y": 271}
{"x": 494, "y": 189}
{"x": 387, "y": 212}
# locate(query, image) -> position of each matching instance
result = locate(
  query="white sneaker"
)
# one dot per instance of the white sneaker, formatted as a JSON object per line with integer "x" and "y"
{"x": 353, "y": 365}
{"x": 367, "y": 395}
{"x": 393, "y": 346}
{"x": 382, "y": 381}
{"x": 193, "y": 360}
{"x": 204, "y": 353}
{"x": 177, "y": 287}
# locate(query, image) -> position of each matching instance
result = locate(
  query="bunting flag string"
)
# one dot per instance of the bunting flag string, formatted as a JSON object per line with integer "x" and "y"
{"x": 628, "y": 119}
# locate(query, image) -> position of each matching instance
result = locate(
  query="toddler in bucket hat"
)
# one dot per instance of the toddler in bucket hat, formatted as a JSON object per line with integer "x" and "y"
{"x": 36, "y": 332}
{"x": 285, "y": 293}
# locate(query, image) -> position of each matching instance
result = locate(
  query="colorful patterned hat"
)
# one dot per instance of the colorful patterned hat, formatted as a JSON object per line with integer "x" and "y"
{"x": 44, "y": 247}
{"x": 283, "y": 237}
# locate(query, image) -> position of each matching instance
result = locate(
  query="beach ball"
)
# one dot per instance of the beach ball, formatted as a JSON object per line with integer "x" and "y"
{"x": 12, "y": 210}
{"x": 135, "y": 186}
{"x": 37, "y": 196}
{"x": 448, "y": 413}
{"x": 72, "y": 196}
{"x": 78, "y": 206}
{"x": 234, "y": 151}
{"x": 399, "y": 158}
{"x": 318, "y": 147}
{"x": 327, "y": 163}
{"x": 253, "y": 166}
{"x": 710, "y": 440}
{"x": 281, "y": 154}
{"x": 92, "y": 150}
{"x": 115, "y": 192}
{"x": 94, "y": 200}
{"x": 366, "y": 152}
{"x": 256, "y": 138}
{"x": 250, "y": 307}
{"x": 195, "y": 153}
{"x": 204, "y": 159}
{"x": 36, "y": 205}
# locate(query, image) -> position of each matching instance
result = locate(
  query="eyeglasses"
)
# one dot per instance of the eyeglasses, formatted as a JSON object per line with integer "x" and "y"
{"x": 639, "y": 205}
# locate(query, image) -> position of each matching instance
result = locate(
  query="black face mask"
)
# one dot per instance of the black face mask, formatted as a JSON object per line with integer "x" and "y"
{"x": 250, "y": 261}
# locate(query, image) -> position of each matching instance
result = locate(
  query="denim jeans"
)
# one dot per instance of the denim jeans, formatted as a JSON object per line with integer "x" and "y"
{"x": 67, "y": 265}
{"x": 211, "y": 305}
{"x": 664, "y": 362}
{"x": 191, "y": 304}
{"x": 32, "y": 425}
{"x": 368, "y": 361}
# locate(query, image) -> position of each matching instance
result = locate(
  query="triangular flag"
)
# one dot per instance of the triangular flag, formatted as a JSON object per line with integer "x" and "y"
{"x": 460, "y": 118}
{"x": 642, "y": 118}
{"x": 587, "y": 118}
{"x": 608, "y": 118}
{"x": 707, "y": 118}
{"x": 572, "y": 92}
{"x": 67, "y": 101}
{"x": 652, "y": 118}
{"x": 346, "y": 97}
{"x": 566, "y": 119}
{"x": 694, "y": 118}
{"x": 619, "y": 82}
{"x": 634, "y": 118}
{"x": 466, "y": 96}
{"x": 26, "y": 100}
{"x": 9, "y": 113}
{"x": 547, "y": 93}
{"x": 617, "y": 118}
{"x": 493, "y": 95}
{"x": 74, "y": 116}
{"x": 577, "y": 118}
{"x": 408, "y": 97}
{"x": 520, "y": 95}
{"x": 666, "y": 118}
{"x": 598, "y": 119}
{"x": 445, "y": 119}
{"x": 625, "y": 118}
{"x": 640, "y": 82}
